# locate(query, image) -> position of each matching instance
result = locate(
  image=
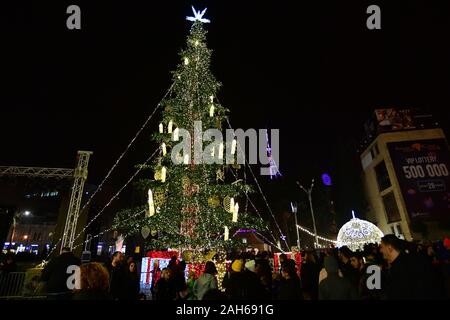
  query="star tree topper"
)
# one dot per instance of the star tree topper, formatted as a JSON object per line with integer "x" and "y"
{"x": 198, "y": 16}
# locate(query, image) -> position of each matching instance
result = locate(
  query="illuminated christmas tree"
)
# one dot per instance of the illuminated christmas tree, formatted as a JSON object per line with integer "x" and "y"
{"x": 191, "y": 205}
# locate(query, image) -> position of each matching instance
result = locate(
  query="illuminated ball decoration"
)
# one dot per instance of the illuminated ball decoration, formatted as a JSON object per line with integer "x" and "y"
{"x": 326, "y": 179}
{"x": 356, "y": 233}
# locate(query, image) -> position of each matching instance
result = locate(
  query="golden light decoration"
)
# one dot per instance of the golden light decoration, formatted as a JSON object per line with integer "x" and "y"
{"x": 145, "y": 231}
{"x": 210, "y": 255}
{"x": 214, "y": 201}
{"x": 226, "y": 203}
{"x": 220, "y": 175}
{"x": 158, "y": 173}
{"x": 187, "y": 255}
{"x": 159, "y": 198}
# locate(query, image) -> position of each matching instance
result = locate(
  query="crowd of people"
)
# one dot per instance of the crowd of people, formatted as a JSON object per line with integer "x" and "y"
{"x": 394, "y": 269}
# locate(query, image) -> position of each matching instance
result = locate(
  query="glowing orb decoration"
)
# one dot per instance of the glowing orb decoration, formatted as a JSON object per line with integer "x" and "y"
{"x": 356, "y": 233}
{"x": 326, "y": 179}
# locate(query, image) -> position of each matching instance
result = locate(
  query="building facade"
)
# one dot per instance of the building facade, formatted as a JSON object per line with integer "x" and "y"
{"x": 406, "y": 180}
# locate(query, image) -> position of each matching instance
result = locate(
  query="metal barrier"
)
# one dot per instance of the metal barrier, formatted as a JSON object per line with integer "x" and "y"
{"x": 11, "y": 284}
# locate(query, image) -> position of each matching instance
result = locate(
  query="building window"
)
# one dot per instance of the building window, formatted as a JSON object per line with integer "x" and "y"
{"x": 391, "y": 208}
{"x": 382, "y": 176}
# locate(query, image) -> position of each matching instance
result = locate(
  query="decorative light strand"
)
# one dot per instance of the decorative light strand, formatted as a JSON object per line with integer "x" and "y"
{"x": 259, "y": 188}
{"x": 256, "y": 209}
{"x": 270, "y": 242}
{"x": 313, "y": 235}
{"x": 107, "y": 230}
{"x": 116, "y": 195}
{"x": 118, "y": 160}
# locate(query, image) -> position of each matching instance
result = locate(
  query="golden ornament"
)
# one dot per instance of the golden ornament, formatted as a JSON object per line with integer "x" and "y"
{"x": 210, "y": 255}
{"x": 214, "y": 201}
{"x": 159, "y": 198}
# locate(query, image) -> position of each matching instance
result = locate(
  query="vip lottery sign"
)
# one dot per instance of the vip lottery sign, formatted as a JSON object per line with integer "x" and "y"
{"x": 422, "y": 169}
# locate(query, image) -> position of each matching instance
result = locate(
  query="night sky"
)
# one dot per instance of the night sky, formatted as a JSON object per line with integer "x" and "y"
{"x": 311, "y": 69}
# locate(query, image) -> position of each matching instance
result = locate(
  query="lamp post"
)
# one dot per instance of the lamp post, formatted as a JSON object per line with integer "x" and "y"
{"x": 16, "y": 216}
{"x": 294, "y": 211}
{"x": 309, "y": 192}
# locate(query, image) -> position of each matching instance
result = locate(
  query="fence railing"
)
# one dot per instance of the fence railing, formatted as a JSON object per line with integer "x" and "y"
{"x": 11, "y": 284}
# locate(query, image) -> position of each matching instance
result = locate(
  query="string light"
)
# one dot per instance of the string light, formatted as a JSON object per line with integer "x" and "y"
{"x": 117, "y": 161}
{"x": 161, "y": 128}
{"x": 211, "y": 111}
{"x": 116, "y": 195}
{"x": 313, "y": 235}
{"x": 258, "y": 213}
{"x": 259, "y": 188}
{"x": 164, "y": 149}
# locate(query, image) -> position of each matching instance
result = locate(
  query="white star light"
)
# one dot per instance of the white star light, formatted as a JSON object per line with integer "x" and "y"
{"x": 198, "y": 16}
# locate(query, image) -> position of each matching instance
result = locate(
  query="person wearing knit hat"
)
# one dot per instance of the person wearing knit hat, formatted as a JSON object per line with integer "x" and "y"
{"x": 237, "y": 265}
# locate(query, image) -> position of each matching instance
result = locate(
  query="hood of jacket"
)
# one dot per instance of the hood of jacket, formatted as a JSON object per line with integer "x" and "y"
{"x": 205, "y": 278}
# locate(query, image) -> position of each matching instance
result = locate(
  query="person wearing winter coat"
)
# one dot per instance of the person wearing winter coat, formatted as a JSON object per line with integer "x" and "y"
{"x": 334, "y": 286}
{"x": 206, "y": 281}
{"x": 132, "y": 285}
{"x": 165, "y": 288}
{"x": 290, "y": 287}
{"x": 55, "y": 274}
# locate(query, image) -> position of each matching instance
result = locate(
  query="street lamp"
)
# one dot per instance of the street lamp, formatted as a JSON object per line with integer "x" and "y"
{"x": 15, "y": 218}
{"x": 308, "y": 192}
{"x": 294, "y": 211}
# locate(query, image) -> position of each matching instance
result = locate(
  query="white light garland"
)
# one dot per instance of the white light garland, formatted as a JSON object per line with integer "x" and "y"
{"x": 211, "y": 111}
{"x": 313, "y": 235}
{"x": 163, "y": 174}
{"x": 161, "y": 128}
{"x": 169, "y": 127}
{"x": 164, "y": 149}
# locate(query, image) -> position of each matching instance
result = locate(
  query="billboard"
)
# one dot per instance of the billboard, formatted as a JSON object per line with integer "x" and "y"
{"x": 394, "y": 119}
{"x": 422, "y": 169}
